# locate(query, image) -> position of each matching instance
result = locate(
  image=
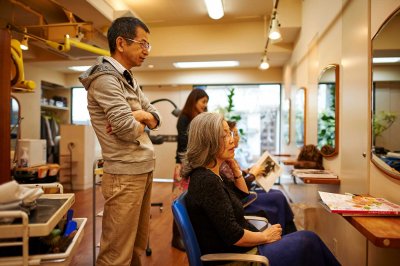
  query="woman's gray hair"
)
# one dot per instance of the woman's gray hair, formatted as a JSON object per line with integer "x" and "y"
{"x": 204, "y": 140}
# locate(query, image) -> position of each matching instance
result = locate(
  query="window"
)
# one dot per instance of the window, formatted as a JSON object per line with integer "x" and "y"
{"x": 259, "y": 109}
{"x": 80, "y": 114}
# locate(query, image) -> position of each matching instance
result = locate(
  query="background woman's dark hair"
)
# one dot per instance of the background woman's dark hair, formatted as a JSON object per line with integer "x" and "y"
{"x": 124, "y": 27}
{"x": 189, "y": 109}
{"x": 231, "y": 124}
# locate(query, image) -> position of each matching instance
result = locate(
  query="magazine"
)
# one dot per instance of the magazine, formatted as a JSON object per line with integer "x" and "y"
{"x": 313, "y": 173}
{"x": 356, "y": 205}
{"x": 272, "y": 171}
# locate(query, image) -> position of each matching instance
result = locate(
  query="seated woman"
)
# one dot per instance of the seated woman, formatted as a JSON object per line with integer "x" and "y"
{"x": 217, "y": 214}
{"x": 273, "y": 202}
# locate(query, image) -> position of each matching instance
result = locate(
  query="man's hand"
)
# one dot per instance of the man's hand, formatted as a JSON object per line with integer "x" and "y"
{"x": 145, "y": 118}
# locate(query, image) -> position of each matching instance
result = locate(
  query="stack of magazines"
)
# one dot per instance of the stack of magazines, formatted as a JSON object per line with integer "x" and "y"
{"x": 358, "y": 205}
{"x": 313, "y": 173}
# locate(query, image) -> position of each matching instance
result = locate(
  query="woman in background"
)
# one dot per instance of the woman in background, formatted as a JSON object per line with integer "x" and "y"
{"x": 217, "y": 214}
{"x": 196, "y": 103}
{"x": 273, "y": 202}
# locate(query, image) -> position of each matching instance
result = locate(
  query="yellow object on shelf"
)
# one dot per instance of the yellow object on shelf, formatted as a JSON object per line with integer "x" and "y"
{"x": 18, "y": 76}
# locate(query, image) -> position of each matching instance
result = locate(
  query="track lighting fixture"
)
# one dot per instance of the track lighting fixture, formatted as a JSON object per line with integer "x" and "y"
{"x": 264, "y": 63}
{"x": 215, "y": 8}
{"x": 274, "y": 33}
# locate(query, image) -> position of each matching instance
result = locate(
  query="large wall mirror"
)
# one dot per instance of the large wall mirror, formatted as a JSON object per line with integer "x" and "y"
{"x": 386, "y": 97}
{"x": 300, "y": 116}
{"x": 328, "y": 110}
{"x": 15, "y": 127}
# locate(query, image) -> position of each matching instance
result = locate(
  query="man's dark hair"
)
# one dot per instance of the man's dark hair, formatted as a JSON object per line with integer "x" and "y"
{"x": 124, "y": 27}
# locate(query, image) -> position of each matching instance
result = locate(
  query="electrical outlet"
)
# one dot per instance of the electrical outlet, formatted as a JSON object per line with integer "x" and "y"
{"x": 334, "y": 251}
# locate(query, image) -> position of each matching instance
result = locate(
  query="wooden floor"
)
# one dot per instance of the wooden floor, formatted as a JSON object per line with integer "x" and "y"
{"x": 160, "y": 228}
{"x": 160, "y": 224}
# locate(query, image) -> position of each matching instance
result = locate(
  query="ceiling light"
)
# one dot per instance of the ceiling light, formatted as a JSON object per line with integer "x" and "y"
{"x": 206, "y": 64}
{"x": 24, "y": 43}
{"x": 274, "y": 33}
{"x": 79, "y": 68}
{"x": 264, "y": 63}
{"x": 386, "y": 60}
{"x": 215, "y": 8}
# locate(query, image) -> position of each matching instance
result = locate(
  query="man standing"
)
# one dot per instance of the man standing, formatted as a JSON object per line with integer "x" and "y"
{"x": 119, "y": 113}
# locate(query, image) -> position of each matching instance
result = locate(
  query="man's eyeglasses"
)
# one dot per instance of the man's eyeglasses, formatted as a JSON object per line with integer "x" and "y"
{"x": 143, "y": 44}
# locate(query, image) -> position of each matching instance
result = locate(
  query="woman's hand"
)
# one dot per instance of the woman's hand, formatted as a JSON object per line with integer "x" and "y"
{"x": 237, "y": 172}
{"x": 273, "y": 233}
{"x": 257, "y": 170}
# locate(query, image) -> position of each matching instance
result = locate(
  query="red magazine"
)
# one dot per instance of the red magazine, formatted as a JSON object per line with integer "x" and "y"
{"x": 356, "y": 205}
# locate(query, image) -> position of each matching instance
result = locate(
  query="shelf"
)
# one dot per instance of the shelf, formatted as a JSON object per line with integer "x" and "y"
{"x": 53, "y": 107}
{"x": 328, "y": 181}
{"x": 49, "y": 211}
{"x": 383, "y": 232}
{"x": 288, "y": 161}
{"x": 53, "y": 258}
{"x": 23, "y": 90}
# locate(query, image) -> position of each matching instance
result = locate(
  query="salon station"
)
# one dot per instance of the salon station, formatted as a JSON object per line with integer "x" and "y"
{"x": 314, "y": 84}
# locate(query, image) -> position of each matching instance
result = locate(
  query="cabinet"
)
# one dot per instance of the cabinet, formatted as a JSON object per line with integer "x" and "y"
{"x": 55, "y": 102}
{"x": 50, "y": 210}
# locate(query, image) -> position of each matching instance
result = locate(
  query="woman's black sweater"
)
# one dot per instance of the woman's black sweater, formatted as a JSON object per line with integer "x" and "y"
{"x": 216, "y": 213}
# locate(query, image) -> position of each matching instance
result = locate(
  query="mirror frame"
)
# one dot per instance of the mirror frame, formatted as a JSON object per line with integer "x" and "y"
{"x": 337, "y": 88}
{"x": 378, "y": 162}
{"x": 304, "y": 115}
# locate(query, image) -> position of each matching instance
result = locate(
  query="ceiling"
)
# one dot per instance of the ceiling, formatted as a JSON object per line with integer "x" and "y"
{"x": 52, "y": 19}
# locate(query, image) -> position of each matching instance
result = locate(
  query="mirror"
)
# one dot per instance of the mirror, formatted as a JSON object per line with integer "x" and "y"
{"x": 15, "y": 127}
{"x": 286, "y": 121}
{"x": 300, "y": 116}
{"x": 385, "y": 106}
{"x": 328, "y": 113}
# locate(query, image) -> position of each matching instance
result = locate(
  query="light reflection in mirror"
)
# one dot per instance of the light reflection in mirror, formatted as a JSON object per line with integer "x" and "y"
{"x": 286, "y": 121}
{"x": 300, "y": 116}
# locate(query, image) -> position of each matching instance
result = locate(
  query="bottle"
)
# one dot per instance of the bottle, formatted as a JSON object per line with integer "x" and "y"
{"x": 24, "y": 159}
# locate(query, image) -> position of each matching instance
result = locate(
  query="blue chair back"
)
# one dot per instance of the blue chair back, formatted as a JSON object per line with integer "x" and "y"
{"x": 185, "y": 227}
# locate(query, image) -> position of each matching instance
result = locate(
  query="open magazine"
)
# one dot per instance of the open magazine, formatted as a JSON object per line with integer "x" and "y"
{"x": 313, "y": 173}
{"x": 272, "y": 171}
{"x": 356, "y": 205}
